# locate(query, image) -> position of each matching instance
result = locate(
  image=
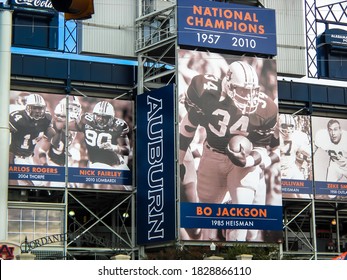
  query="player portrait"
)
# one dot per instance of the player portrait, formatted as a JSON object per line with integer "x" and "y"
{"x": 330, "y": 157}
{"x": 31, "y": 125}
{"x": 296, "y": 156}
{"x": 228, "y": 145}
{"x": 104, "y": 144}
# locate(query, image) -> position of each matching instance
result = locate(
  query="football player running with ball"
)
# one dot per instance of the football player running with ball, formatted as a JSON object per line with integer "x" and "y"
{"x": 230, "y": 107}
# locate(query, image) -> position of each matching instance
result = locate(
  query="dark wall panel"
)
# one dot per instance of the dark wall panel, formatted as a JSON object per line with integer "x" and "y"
{"x": 124, "y": 75}
{"x": 319, "y": 94}
{"x": 300, "y": 92}
{"x": 284, "y": 90}
{"x": 57, "y": 68}
{"x": 36, "y": 66}
{"x": 81, "y": 71}
{"x": 33, "y": 66}
{"x": 336, "y": 95}
{"x": 101, "y": 72}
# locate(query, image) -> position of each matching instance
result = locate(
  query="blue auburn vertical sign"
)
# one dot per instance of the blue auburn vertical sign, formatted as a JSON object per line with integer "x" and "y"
{"x": 155, "y": 165}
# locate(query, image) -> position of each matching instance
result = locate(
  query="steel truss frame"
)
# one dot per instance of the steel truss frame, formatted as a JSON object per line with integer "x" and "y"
{"x": 331, "y": 14}
{"x": 121, "y": 240}
{"x": 155, "y": 48}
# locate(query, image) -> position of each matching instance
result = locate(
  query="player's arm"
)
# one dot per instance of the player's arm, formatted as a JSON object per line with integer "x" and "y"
{"x": 77, "y": 124}
{"x": 187, "y": 133}
{"x": 123, "y": 143}
{"x": 190, "y": 122}
{"x": 45, "y": 144}
{"x": 46, "y": 136}
{"x": 248, "y": 155}
{"x": 269, "y": 152}
{"x": 258, "y": 156}
{"x": 43, "y": 152}
{"x": 12, "y": 129}
{"x": 50, "y": 132}
{"x": 242, "y": 160}
{"x": 123, "y": 146}
{"x": 305, "y": 152}
{"x": 268, "y": 157}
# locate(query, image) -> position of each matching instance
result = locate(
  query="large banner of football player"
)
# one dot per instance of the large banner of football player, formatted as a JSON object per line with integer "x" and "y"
{"x": 90, "y": 136}
{"x": 330, "y": 158}
{"x": 296, "y": 158}
{"x": 230, "y": 188}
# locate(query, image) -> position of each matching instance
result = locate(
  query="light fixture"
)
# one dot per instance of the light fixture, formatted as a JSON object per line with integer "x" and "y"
{"x": 333, "y": 222}
{"x": 72, "y": 213}
{"x": 125, "y": 215}
{"x": 213, "y": 247}
{"x": 180, "y": 247}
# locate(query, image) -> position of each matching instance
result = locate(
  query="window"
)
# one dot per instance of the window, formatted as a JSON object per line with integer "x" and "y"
{"x": 35, "y": 30}
{"x": 34, "y": 223}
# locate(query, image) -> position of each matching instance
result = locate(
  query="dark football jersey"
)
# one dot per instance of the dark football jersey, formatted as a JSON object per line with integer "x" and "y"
{"x": 95, "y": 136}
{"x": 56, "y": 151}
{"x": 24, "y": 132}
{"x": 222, "y": 119}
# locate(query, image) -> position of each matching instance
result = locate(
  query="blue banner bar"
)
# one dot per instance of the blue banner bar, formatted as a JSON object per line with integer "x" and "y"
{"x": 231, "y": 216}
{"x": 215, "y": 25}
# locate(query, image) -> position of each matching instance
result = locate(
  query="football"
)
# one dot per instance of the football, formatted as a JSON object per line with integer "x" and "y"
{"x": 238, "y": 142}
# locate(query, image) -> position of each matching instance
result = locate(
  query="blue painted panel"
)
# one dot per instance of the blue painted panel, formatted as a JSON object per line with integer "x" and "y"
{"x": 336, "y": 95}
{"x": 284, "y": 90}
{"x": 319, "y": 93}
{"x": 300, "y": 92}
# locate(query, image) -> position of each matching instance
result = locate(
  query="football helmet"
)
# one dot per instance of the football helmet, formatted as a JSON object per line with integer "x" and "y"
{"x": 75, "y": 109}
{"x": 243, "y": 86}
{"x": 60, "y": 110}
{"x": 22, "y": 98}
{"x": 103, "y": 114}
{"x": 35, "y": 106}
{"x": 287, "y": 125}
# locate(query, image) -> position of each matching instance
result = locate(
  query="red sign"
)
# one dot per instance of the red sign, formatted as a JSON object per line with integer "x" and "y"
{"x": 7, "y": 252}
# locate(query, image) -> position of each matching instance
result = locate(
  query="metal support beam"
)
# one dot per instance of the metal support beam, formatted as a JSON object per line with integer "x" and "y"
{"x": 5, "y": 78}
